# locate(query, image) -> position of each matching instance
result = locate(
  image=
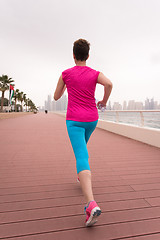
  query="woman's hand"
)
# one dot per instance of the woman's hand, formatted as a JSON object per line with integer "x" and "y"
{"x": 107, "y": 89}
{"x": 101, "y": 104}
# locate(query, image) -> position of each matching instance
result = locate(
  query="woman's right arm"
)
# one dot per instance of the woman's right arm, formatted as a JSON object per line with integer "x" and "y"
{"x": 103, "y": 80}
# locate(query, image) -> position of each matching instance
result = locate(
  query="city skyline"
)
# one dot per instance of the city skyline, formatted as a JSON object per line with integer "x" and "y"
{"x": 61, "y": 105}
{"x": 148, "y": 104}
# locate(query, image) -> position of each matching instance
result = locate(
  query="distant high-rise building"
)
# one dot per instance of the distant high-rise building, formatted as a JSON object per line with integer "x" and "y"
{"x": 109, "y": 106}
{"x": 147, "y": 104}
{"x": 46, "y": 105}
{"x": 124, "y": 105}
{"x": 138, "y": 106}
{"x": 131, "y": 105}
{"x": 49, "y": 103}
{"x": 151, "y": 104}
{"x": 53, "y": 106}
{"x": 155, "y": 105}
{"x": 117, "y": 106}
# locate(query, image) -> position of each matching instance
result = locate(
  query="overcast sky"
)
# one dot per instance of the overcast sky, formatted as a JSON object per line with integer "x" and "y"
{"x": 36, "y": 40}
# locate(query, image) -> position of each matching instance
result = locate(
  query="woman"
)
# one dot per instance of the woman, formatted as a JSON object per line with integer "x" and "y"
{"x": 82, "y": 116}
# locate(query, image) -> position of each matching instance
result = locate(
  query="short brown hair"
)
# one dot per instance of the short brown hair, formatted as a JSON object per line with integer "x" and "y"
{"x": 81, "y": 49}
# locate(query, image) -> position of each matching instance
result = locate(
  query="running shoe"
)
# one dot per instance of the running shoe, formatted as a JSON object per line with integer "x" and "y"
{"x": 92, "y": 212}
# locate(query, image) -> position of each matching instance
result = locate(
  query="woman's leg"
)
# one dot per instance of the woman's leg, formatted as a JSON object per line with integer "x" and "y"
{"x": 79, "y": 134}
{"x": 85, "y": 176}
{"x": 86, "y": 185}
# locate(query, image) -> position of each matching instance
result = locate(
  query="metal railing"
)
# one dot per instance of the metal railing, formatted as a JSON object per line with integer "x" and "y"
{"x": 142, "y": 118}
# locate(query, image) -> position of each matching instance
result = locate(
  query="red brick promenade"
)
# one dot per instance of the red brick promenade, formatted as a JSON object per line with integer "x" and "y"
{"x": 41, "y": 200}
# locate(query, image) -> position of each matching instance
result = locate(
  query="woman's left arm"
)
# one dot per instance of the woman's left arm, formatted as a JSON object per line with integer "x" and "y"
{"x": 61, "y": 87}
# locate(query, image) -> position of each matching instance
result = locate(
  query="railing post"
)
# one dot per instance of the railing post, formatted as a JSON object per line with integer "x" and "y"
{"x": 142, "y": 119}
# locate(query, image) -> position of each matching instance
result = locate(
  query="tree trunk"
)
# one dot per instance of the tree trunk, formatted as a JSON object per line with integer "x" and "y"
{"x": 2, "y": 100}
{"x": 15, "y": 107}
{"x": 21, "y": 106}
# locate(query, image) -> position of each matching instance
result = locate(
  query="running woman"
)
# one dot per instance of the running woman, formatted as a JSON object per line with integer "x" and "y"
{"x": 82, "y": 116}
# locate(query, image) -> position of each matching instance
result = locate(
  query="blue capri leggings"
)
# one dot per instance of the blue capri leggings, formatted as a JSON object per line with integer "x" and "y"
{"x": 79, "y": 134}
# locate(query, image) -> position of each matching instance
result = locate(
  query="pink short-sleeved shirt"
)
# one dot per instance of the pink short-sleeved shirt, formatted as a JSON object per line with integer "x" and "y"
{"x": 81, "y": 84}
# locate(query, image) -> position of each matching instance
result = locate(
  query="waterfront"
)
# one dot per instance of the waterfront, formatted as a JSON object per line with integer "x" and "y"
{"x": 149, "y": 119}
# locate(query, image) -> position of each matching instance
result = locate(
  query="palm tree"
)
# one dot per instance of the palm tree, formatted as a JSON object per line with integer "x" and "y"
{"x": 27, "y": 105}
{"x": 21, "y": 100}
{"x": 5, "y": 81}
{"x": 16, "y": 94}
{"x": 32, "y": 105}
{"x": 25, "y": 100}
{"x": 19, "y": 97}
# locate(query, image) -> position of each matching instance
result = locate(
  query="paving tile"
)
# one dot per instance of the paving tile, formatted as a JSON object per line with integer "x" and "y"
{"x": 146, "y": 186}
{"x": 153, "y": 201}
{"x": 155, "y": 236}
